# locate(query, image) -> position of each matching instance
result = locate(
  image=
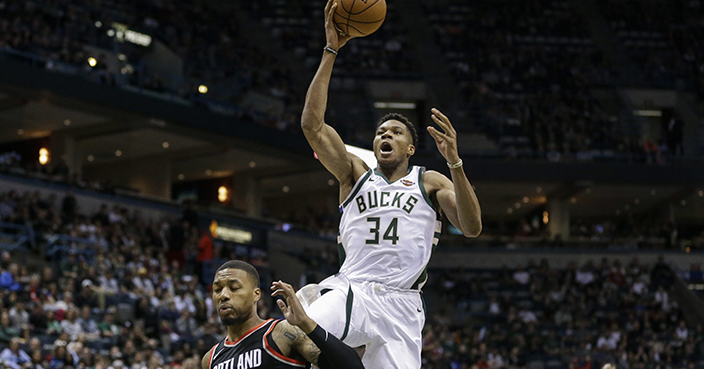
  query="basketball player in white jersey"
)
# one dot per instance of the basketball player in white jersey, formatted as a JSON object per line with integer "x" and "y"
{"x": 390, "y": 224}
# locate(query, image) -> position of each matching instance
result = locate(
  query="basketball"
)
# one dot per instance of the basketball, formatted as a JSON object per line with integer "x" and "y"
{"x": 359, "y": 18}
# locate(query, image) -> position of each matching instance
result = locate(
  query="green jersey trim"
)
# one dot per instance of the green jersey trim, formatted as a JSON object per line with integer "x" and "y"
{"x": 357, "y": 187}
{"x": 348, "y": 311}
{"x": 380, "y": 174}
{"x": 422, "y": 188}
{"x": 342, "y": 255}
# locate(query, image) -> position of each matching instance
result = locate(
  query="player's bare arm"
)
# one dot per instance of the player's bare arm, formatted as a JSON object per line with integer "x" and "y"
{"x": 300, "y": 336}
{"x": 324, "y": 140}
{"x": 206, "y": 360}
{"x": 455, "y": 197}
{"x": 294, "y": 343}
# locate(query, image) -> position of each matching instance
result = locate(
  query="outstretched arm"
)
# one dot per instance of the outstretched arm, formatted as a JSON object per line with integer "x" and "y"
{"x": 324, "y": 140}
{"x": 309, "y": 339}
{"x": 456, "y": 198}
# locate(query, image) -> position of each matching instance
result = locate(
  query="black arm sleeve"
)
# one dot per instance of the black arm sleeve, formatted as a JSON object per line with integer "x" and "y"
{"x": 333, "y": 353}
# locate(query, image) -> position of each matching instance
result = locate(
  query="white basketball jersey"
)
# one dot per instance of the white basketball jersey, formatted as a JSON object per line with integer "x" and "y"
{"x": 388, "y": 230}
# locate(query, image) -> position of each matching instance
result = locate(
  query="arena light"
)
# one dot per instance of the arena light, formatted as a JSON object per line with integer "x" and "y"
{"x": 124, "y": 34}
{"x": 203, "y": 89}
{"x": 223, "y": 193}
{"x": 394, "y": 105}
{"x": 546, "y": 217}
{"x": 92, "y": 62}
{"x": 647, "y": 113}
{"x": 165, "y": 144}
{"x": 229, "y": 233}
{"x": 43, "y": 156}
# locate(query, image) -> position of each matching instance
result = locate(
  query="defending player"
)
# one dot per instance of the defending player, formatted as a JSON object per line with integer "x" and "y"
{"x": 390, "y": 224}
{"x": 252, "y": 342}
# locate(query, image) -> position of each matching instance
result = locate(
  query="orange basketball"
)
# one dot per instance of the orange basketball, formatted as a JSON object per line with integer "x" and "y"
{"x": 359, "y": 18}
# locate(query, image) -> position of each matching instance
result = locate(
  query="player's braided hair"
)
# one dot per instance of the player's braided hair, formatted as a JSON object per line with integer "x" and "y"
{"x": 405, "y": 121}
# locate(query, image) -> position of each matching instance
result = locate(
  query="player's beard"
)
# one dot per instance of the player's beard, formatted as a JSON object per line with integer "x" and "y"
{"x": 237, "y": 318}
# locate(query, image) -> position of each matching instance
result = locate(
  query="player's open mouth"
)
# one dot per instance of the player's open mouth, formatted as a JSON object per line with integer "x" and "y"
{"x": 225, "y": 309}
{"x": 386, "y": 148}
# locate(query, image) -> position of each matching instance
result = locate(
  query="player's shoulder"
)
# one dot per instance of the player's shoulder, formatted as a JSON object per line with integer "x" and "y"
{"x": 205, "y": 362}
{"x": 359, "y": 167}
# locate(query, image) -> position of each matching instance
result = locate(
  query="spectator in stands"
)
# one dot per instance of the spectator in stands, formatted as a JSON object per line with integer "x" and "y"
{"x": 69, "y": 207}
{"x": 19, "y": 316}
{"x": 108, "y": 283}
{"x": 662, "y": 298}
{"x": 14, "y": 357}
{"x": 584, "y": 276}
{"x": 8, "y": 278}
{"x": 53, "y": 326}
{"x": 522, "y": 277}
{"x": 7, "y": 331}
{"x": 60, "y": 357}
{"x": 38, "y": 361}
{"x": 177, "y": 241}
{"x": 70, "y": 324}
{"x": 107, "y": 327}
{"x": 186, "y": 326}
{"x": 205, "y": 254}
{"x": 88, "y": 324}
{"x": 37, "y": 319}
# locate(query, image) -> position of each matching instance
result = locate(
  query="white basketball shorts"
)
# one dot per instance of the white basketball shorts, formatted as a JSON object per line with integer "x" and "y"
{"x": 388, "y": 321}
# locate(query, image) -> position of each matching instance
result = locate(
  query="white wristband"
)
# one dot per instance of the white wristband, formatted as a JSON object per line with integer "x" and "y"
{"x": 456, "y": 165}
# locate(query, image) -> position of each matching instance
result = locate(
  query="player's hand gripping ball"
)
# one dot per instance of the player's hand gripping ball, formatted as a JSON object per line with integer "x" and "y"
{"x": 359, "y": 18}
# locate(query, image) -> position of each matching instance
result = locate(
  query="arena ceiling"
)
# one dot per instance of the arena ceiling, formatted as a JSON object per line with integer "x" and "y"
{"x": 99, "y": 133}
